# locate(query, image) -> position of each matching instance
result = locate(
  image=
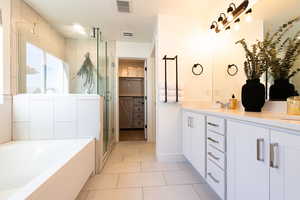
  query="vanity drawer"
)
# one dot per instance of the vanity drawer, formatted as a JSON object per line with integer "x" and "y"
{"x": 216, "y": 156}
{"x": 216, "y": 140}
{"x": 216, "y": 179}
{"x": 216, "y": 124}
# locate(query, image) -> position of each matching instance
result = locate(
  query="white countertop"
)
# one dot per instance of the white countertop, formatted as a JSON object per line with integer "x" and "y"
{"x": 276, "y": 120}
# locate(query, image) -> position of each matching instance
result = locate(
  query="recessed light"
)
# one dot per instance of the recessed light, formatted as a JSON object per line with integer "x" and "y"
{"x": 79, "y": 29}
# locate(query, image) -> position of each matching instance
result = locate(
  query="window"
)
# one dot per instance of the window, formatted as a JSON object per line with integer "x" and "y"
{"x": 45, "y": 72}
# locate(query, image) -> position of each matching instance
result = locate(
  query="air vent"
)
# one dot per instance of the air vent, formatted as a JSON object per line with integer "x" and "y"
{"x": 127, "y": 34}
{"x": 123, "y": 6}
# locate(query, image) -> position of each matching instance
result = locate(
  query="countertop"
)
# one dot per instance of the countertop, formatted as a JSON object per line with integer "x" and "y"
{"x": 273, "y": 119}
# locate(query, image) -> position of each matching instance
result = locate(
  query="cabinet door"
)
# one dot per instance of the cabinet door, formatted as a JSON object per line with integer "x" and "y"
{"x": 198, "y": 143}
{"x": 247, "y": 162}
{"x": 284, "y": 166}
{"x": 186, "y": 135}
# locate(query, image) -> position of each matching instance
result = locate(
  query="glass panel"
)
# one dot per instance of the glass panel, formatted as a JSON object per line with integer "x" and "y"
{"x": 55, "y": 75}
{"x": 34, "y": 69}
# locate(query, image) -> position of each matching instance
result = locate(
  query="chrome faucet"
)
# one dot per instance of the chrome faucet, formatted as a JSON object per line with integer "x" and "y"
{"x": 223, "y": 105}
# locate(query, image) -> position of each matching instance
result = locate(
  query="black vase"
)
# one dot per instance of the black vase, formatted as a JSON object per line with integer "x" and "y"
{"x": 253, "y": 96}
{"x": 281, "y": 90}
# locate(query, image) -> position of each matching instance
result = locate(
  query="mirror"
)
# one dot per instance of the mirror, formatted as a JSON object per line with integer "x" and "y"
{"x": 276, "y": 16}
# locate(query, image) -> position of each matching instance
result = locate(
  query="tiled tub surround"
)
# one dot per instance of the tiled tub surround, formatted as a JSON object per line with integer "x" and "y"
{"x": 134, "y": 173}
{"x": 249, "y": 155}
{"x": 48, "y": 169}
{"x": 69, "y": 116}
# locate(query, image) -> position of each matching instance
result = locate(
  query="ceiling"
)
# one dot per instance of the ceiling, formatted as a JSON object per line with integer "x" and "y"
{"x": 141, "y": 21}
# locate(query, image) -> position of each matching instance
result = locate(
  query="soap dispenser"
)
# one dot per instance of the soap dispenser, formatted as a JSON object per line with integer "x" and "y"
{"x": 233, "y": 103}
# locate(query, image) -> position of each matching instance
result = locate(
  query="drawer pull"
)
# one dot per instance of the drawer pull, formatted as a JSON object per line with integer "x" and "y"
{"x": 213, "y": 156}
{"x": 259, "y": 149}
{"x": 212, "y": 124}
{"x": 212, "y": 140}
{"x": 213, "y": 178}
{"x": 274, "y": 155}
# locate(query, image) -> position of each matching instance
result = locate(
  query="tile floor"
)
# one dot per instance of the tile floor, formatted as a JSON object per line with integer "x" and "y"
{"x": 133, "y": 173}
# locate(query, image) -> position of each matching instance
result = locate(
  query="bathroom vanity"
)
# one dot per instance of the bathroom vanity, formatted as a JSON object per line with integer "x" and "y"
{"x": 243, "y": 155}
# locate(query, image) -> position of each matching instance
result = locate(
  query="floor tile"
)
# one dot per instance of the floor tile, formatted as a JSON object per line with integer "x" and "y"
{"x": 119, "y": 194}
{"x": 104, "y": 181}
{"x": 182, "y": 192}
{"x": 141, "y": 180}
{"x": 122, "y": 167}
{"x": 82, "y": 195}
{"x": 182, "y": 177}
{"x": 205, "y": 192}
{"x": 159, "y": 166}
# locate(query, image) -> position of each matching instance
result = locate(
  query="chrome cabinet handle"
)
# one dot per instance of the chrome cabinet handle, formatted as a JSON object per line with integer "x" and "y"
{"x": 213, "y": 156}
{"x": 213, "y": 178}
{"x": 212, "y": 124}
{"x": 260, "y": 149}
{"x": 192, "y": 122}
{"x": 212, "y": 140}
{"x": 189, "y": 122}
{"x": 274, "y": 155}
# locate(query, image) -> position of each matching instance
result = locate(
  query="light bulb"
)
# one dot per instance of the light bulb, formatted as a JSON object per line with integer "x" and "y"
{"x": 220, "y": 25}
{"x": 237, "y": 27}
{"x": 230, "y": 17}
{"x": 249, "y": 18}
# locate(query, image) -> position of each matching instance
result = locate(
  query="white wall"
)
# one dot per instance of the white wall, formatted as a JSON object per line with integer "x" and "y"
{"x": 133, "y": 49}
{"x": 186, "y": 38}
{"x": 5, "y": 74}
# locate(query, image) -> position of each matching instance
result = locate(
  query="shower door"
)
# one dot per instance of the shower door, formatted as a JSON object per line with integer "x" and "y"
{"x": 105, "y": 88}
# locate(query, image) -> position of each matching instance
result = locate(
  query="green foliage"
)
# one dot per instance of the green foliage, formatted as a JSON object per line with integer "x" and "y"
{"x": 280, "y": 55}
{"x": 86, "y": 72}
{"x": 255, "y": 65}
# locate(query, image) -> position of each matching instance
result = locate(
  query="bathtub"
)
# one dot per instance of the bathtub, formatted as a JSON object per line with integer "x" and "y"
{"x": 45, "y": 170}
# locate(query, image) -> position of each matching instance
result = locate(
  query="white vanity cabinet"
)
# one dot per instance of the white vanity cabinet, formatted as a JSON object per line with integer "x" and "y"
{"x": 193, "y": 140}
{"x": 247, "y": 162}
{"x": 262, "y": 163}
{"x": 284, "y": 166}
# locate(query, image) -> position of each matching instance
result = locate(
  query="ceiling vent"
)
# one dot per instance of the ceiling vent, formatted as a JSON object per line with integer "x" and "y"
{"x": 123, "y": 6}
{"x": 127, "y": 34}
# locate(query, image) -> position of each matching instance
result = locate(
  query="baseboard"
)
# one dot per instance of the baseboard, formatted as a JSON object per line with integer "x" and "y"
{"x": 171, "y": 158}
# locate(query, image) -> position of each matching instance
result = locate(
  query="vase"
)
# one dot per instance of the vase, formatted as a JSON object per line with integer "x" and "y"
{"x": 253, "y": 96}
{"x": 281, "y": 90}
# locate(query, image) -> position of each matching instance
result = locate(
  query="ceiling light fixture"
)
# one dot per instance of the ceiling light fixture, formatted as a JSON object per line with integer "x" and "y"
{"x": 79, "y": 29}
{"x": 230, "y": 10}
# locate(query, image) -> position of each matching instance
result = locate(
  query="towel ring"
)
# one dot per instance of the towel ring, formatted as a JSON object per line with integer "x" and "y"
{"x": 236, "y": 70}
{"x": 195, "y": 67}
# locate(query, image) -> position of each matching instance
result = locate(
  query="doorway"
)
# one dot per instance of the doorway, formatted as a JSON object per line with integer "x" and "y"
{"x": 132, "y": 100}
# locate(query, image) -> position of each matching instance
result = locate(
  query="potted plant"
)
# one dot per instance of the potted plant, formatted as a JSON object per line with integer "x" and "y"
{"x": 253, "y": 92}
{"x": 281, "y": 53}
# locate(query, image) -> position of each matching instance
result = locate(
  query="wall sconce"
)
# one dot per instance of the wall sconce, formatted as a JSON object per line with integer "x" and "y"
{"x": 230, "y": 10}
{"x": 234, "y": 14}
